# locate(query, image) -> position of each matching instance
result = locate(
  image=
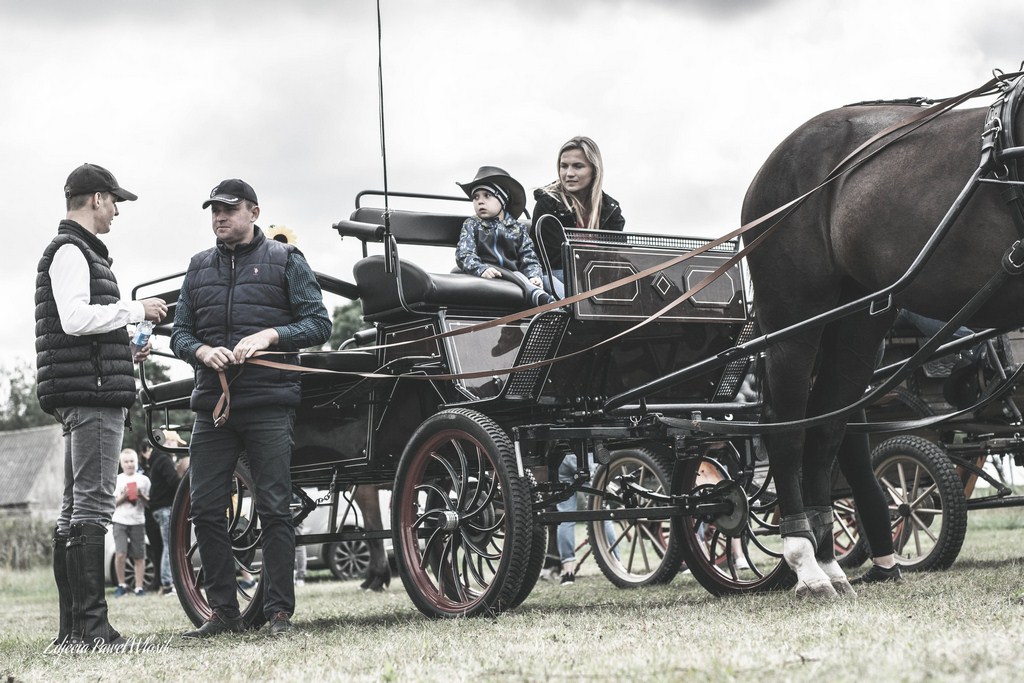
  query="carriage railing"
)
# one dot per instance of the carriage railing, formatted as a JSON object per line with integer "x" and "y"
{"x": 653, "y": 241}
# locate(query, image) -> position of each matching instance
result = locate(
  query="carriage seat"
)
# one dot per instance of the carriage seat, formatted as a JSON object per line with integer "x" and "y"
{"x": 170, "y": 395}
{"x": 426, "y": 293}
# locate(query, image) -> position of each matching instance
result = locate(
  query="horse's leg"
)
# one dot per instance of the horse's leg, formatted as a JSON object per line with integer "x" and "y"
{"x": 788, "y": 367}
{"x": 848, "y": 357}
{"x": 378, "y": 574}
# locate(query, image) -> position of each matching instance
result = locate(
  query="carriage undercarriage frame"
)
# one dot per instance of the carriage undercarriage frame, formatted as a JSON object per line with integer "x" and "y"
{"x": 468, "y": 516}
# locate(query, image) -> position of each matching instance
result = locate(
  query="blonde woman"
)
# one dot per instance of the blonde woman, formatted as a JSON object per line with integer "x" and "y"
{"x": 576, "y": 199}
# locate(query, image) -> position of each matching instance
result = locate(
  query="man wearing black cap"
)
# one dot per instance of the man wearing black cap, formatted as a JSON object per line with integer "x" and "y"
{"x": 86, "y": 381}
{"x": 246, "y": 294}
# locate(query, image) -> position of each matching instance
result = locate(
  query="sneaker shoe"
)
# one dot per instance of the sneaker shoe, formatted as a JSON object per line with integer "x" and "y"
{"x": 168, "y": 592}
{"x": 120, "y": 590}
{"x": 140, "y": 592}
{"x": 878, "y": 574}
{"x": 215, "y": 626}
{"x": 568, "y": 579}
{"x": 550, "y": 574}
{"x": 247, "y": 583}
{"x": 280, "y": 624}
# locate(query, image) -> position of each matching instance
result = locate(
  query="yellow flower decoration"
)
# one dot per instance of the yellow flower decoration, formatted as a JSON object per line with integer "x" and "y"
{"x": 282, "y": 233}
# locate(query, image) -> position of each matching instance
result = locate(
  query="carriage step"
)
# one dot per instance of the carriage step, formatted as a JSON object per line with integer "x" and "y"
{"x": 543, "y": 338}
{"x": 736, "y": 371}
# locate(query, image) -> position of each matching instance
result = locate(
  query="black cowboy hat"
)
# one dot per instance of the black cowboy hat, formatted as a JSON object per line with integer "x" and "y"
{"x": 492, "y": 175}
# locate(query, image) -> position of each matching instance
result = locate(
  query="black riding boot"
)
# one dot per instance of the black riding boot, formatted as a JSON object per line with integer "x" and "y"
{"x": 60, "y": 575}
{"x": 89, "y": 604}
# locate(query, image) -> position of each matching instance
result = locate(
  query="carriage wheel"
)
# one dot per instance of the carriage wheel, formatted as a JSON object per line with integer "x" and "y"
{"x": 538, "y": 552}
{"x": 749, "y": 560}
{"x": 348, "y": 559}
{"x": 462, "y": 519}
{"x": 633, "y": 552}
{"x": 850, "y": 546}
{"x": 186, "y": 565}
{"x": 927, "y": 504}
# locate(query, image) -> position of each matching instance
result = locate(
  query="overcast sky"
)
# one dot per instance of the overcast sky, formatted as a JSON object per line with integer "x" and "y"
{"x": 685, "y": 99}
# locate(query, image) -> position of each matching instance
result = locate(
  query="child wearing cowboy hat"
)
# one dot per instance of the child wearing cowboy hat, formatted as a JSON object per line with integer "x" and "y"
{"x": 493, "y": 238}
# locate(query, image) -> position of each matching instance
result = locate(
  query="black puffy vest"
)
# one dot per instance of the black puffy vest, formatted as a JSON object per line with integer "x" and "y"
{"x": 86, "y": 370}
{"x": 234, "y": 294}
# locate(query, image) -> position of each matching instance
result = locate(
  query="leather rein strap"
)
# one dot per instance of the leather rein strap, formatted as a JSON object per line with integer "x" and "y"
{"x": 222, "y": 411}
{"x": 850, "y": 162}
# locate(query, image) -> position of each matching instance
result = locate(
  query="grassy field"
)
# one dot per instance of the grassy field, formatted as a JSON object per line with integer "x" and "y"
{"x": 964, "y": 624}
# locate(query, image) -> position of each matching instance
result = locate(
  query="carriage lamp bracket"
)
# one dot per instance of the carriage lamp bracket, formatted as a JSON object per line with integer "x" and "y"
{"x": 1013, "y": 259}
{"x": 885, "y": 304}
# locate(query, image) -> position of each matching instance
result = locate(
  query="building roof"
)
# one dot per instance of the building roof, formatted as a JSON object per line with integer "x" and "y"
{"x": 25, "y": 456}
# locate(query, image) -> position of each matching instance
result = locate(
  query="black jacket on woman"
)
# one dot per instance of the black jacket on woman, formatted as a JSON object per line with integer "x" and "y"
{"x": 552, "y": 236}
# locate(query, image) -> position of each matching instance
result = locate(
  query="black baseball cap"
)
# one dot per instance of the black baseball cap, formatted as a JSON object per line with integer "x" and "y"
{"x": 231, "y": 191}
{"x": 89, "y": 178}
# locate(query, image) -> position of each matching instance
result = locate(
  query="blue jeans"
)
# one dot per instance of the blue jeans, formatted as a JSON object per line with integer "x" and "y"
{"x": 163, "y": 518}
{"x": 566, "y": 534}
{"x": 554, "y": 284}
{"x": 92, "y": 445}
{"x": 266, "y": 435}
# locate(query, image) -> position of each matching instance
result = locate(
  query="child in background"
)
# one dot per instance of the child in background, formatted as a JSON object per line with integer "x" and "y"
{"x": 494, "y": 236}
{"x": 131, "y": 493}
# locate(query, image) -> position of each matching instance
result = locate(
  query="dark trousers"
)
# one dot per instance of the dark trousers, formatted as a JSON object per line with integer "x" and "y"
{"x": 266, "y": 436}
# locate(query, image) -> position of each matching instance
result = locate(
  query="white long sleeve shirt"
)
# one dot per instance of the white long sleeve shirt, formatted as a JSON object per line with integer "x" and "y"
{"x": 69, "y": 277}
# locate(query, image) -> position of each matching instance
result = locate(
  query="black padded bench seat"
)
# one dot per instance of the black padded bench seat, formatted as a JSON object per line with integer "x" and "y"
{"x": 425, "y": 293}
{"x": 178, "y": 391}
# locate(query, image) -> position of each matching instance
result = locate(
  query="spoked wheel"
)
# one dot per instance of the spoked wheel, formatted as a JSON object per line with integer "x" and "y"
{"x": 850, "y": 546}
{"x": 461, "y": 515}
{"x": 926, "y": 501}
{"x": 538, "y": 552}
{"x": 186, "y": 565}
{"x": 348, "y": 559}
{"x": 726, "y": 556}
{"x": 633, "y": 552}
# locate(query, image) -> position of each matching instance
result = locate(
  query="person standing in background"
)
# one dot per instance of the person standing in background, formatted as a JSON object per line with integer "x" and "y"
{"x": 164, "y": 481}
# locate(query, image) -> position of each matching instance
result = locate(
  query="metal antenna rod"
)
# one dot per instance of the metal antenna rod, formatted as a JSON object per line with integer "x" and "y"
{"x": 390, "y": 249}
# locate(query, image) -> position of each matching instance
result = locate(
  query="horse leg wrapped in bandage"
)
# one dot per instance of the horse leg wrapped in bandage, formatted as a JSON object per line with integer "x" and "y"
{"x": 798, "y": 551}
{"x": 797, "y": 525}
{"x": 821, "y": 522}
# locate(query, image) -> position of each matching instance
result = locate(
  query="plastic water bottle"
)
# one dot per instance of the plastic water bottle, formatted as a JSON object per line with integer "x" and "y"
{"x": 143, "y": 331}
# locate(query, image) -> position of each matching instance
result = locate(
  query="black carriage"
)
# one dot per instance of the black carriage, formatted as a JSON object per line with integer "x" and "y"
{"x": 933, "y": 474}
{"x": 465, "y": 409}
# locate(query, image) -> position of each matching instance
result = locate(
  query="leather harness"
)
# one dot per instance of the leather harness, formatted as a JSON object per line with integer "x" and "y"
{"x": 997, "y": 137}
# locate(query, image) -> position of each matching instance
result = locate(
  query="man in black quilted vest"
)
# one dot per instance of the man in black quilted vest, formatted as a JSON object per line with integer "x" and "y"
{"x": 86, "y": 381}
{"x": 246, "y": 294}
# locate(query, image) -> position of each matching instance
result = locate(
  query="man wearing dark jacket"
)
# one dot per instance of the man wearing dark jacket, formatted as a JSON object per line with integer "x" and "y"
{"x": 163, "y": 479}
{"x": 246, "y": 294}
{"x": 86, "y": 380}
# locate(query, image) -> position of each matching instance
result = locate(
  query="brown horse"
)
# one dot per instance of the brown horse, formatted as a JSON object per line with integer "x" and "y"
{"x": 858, "y": 235}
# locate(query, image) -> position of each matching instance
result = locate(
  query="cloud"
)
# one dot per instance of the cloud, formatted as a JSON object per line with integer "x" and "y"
{"x": 685, "y": 99}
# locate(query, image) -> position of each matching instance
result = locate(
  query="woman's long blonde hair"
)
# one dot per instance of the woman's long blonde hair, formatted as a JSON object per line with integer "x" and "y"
{"x": 593, "y": 155}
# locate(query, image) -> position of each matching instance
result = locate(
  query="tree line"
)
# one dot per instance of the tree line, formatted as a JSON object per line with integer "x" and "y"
{"x": 19, "y": 407}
